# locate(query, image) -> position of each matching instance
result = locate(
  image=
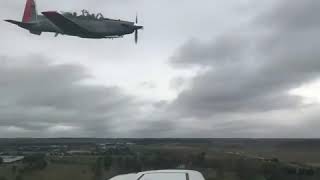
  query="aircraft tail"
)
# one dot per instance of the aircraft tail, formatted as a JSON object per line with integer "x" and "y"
{"x": 21, "y": 24}
{"x": 30, "y": 12}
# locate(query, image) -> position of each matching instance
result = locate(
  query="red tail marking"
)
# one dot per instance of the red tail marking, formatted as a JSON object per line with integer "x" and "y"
{"x": 28, "y": 11}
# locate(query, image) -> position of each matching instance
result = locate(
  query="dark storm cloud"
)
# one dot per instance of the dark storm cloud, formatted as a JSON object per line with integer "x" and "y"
{"x": 36, "y": 96}
{"x": 253, "y": 69}
{"x": 295, "y": 14}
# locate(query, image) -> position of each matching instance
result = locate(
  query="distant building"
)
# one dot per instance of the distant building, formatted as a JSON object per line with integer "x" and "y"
{"x": 78, "y": 152}
{"x": 113, "y": 146}
{"x": 130, "y": 143}
{"x": 11, "y": 159}
{"x": 182, "y": 166}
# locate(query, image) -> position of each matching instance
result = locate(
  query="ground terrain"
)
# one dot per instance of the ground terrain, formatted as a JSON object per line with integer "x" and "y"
{"x": 217, "y": 159}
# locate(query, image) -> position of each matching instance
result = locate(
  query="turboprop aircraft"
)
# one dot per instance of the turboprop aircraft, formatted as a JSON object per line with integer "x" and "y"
{"x": 85, "y": 25}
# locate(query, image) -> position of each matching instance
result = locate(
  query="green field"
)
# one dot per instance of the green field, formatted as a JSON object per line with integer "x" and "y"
{"x": 215, "y": 163}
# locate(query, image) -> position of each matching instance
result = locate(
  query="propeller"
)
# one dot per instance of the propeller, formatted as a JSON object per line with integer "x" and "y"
{"x": 136, "y": 35}
{"x": 137, "y": 27}
{"x": 137, "y": 18}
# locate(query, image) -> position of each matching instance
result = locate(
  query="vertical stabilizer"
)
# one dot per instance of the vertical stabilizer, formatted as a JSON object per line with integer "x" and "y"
{"x": 30, "y": 12}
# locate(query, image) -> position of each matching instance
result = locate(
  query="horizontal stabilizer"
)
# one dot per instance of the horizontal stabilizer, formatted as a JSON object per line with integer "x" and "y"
{"x": 21, "y": 24}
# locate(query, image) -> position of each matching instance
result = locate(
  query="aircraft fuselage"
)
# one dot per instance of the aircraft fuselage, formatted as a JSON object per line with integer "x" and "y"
{"x": 99, "y": 28}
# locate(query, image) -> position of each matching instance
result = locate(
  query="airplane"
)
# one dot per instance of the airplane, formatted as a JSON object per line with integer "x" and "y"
{"x": 85, "y": 25}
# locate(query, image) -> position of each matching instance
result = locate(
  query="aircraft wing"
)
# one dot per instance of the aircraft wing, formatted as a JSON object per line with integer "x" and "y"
{"x": 65, "y": 24}
{"x": 113, "y": 37}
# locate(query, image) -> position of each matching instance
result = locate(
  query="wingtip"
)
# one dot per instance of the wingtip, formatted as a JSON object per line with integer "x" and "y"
{"x": 10, "y": 21}
{"x": 48, "y": 12}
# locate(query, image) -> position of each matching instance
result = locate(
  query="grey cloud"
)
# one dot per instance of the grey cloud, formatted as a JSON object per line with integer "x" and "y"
{"x": 37, "y": 95}
{"x": 228, "y": 48}
{"x": 165, "y": 128}
{"x": 252, "y": 72}
{"x": 293, "y": 15}
{"x": 148, "y": 85}
{"x": 248, "y": 72}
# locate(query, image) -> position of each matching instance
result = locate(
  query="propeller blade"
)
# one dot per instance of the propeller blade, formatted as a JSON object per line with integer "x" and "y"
{"x": 136, "y": 36}
{"x": 136, "y": 18}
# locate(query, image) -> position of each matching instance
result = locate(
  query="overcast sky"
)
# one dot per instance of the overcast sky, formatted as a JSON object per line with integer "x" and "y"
{"x": 208, "y": 68}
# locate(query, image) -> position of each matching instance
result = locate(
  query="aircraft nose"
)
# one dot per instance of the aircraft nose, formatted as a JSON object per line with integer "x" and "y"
{"x": 138, "y": 27}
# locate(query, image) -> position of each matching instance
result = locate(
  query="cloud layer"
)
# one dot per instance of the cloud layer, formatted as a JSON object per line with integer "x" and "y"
{"x": 40, "y": 97}
{"x": 240, "y": 88}
{"x": 250, "y": 70}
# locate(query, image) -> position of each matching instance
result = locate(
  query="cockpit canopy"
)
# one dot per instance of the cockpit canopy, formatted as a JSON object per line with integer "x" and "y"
{"x": 85, "y": 14}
